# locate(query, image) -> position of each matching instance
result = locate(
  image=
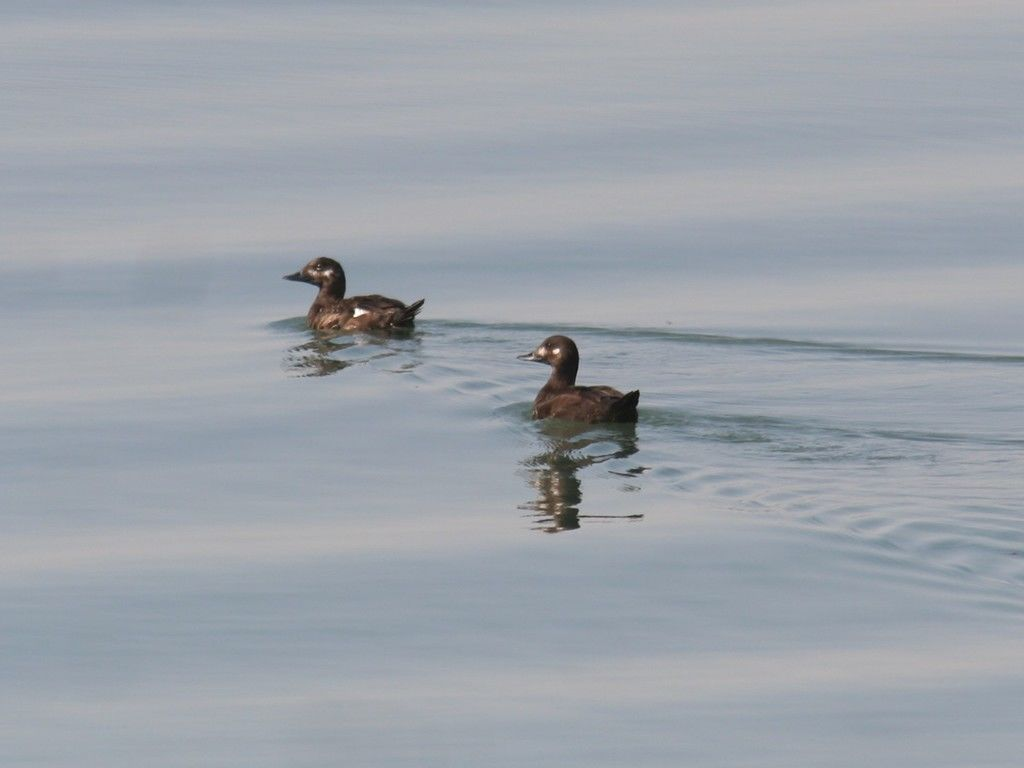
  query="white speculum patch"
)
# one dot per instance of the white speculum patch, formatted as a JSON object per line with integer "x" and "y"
{"x": 359, "y": 311}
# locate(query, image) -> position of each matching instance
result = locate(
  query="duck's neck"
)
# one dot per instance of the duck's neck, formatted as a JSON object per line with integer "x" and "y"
{"x": 335, "y": 289}
{"x": 328, "y": 296}
{"x": 563, "y": 377}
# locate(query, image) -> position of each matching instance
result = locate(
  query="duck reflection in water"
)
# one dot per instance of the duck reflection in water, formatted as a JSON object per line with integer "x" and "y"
{"x": 327, "y": 353}
{"x": 568, "y": 448}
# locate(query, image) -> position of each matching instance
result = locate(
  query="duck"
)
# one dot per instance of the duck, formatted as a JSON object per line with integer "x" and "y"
{"x": 561, "y": 398}
{"x": 332, "y": 311}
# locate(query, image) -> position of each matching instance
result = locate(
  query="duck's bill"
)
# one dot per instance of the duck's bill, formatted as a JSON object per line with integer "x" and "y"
{"x": 298, "y": 277}
{"x": 532, "y": 357}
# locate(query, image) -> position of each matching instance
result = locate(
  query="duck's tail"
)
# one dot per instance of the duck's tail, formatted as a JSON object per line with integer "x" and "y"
{"x": 409, "y": 313}
{"x": 624, "y": 409}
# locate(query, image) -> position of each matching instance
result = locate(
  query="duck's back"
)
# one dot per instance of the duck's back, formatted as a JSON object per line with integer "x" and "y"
{"x": 362, "y": 313}
{"x": 589, "y": 404}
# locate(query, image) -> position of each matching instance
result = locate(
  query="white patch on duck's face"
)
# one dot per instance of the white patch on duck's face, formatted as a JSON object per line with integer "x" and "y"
{"x": 358, "y": 311}
{"x": 327, "y": 274}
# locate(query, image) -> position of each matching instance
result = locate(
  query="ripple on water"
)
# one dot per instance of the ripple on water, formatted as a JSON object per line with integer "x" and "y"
{"x": 706, "y": 433}
{"x": 324, "y": 353}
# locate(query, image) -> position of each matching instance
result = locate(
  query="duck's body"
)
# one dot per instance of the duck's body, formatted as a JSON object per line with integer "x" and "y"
{"x": 560, "y": 398}
{"x": 590, "y": 404}
{"x": 332, "y": 311}
{"x": 361, "y": 313}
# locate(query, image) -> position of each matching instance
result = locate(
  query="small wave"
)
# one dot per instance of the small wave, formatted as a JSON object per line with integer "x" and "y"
{"x": 324, "y": 354}
{"x": 288, "y": 325}
{"x": 808, "y": 435}
{"x": 763, "y": 342}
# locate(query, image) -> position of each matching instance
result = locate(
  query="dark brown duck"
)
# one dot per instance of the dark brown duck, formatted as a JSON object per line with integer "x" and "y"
{"x": 332, "y": 311}
{"x": 560, "y": 398}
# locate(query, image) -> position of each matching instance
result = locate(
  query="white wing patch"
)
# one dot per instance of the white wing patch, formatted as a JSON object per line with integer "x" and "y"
{"x": 359, "y": 311}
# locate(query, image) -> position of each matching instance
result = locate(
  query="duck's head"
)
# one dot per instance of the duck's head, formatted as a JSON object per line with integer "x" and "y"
{"x": 559, "y": 352}
{"x": 320, "y": 271}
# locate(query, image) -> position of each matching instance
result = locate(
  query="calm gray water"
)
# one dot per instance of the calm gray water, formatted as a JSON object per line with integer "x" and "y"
{"x": 794, "y": 227}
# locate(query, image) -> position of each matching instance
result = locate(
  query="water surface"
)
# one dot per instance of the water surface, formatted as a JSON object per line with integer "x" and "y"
{"x": 231, "y": 541}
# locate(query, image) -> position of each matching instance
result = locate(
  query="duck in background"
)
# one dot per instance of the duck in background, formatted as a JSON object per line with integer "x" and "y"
{"x": 332, "y": 311}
